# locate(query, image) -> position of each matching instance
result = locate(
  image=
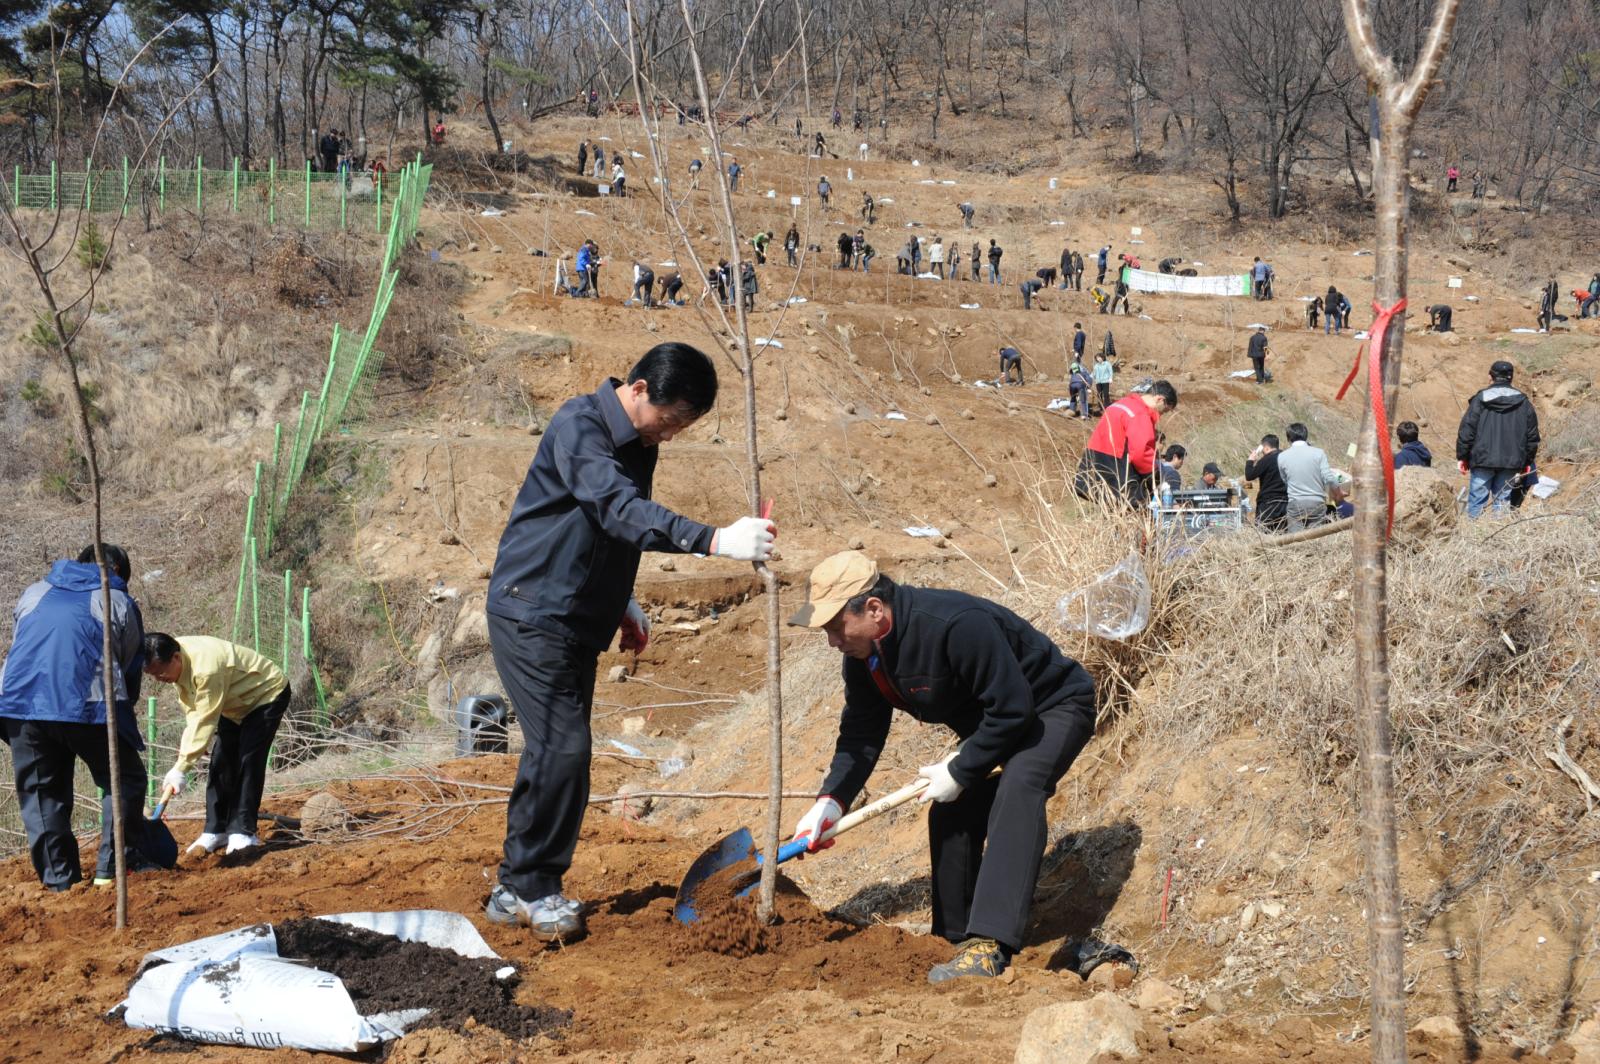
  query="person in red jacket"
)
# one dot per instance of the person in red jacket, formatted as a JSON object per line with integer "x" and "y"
{"x": 1121, "y": 452}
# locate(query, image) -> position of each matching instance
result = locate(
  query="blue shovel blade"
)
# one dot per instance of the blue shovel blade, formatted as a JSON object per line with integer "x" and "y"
{"x": 729, "y": 851}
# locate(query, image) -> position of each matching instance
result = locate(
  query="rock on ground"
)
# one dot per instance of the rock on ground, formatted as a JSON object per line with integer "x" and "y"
{"x": 1074, "y": 1032}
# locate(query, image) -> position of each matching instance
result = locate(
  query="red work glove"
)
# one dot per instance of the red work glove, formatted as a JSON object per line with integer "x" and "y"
{"x": 635, "y": 628}
{"x": 819, "y": 818}
{"x": 1463, "y": 467}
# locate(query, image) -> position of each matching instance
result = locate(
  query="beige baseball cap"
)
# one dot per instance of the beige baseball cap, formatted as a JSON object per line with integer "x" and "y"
{"x": 835, "y": 581}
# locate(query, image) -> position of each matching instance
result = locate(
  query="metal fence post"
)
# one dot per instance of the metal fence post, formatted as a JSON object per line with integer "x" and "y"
{"x": 307, "y": 223}
{"x": 272, "y": 191}
{"x": 150, "y": 741}
{"x": 124, "y": 186}
{"x": 235, "y": 184}
{"x": 161, "y": 183}
{"x": 52, "y": 184}
{"x": 199, "y": 185}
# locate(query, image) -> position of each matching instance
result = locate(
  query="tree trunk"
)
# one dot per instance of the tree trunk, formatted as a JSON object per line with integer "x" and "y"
{"x": 1399, "y": 103}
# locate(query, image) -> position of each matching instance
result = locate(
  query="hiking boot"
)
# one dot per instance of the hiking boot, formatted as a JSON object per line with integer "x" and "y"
{"x": 553, "y": 918}
{"x": 982, "y": 957}
{"x": 208, "y": 842}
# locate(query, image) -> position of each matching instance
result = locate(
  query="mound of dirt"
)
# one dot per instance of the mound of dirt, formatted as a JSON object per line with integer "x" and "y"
{"x": 384, "y": 974}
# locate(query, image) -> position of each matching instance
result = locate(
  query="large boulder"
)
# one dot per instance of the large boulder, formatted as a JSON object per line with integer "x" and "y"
{"x": 1075, "y": 1032}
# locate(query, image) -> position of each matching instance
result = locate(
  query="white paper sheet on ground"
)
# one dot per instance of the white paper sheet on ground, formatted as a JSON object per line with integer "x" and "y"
{"x": 1136, "y": 241}
{"x": 1307, "y": 299}
{"x": 971, "y": 306}
{"x": 1058, "y": 404}
{"x": 1258, "y": 325}
{"x": 895, "y": 415}
{"x": 767, "y": 341}
{"x": 607, "y": 139}
{"x": 1243, "y": 373}
{"x": 885, "y": 199}
{"x": 1520, "y": 330}
{"x": 927, "y": 181}
{"x": 490, "y": 212}
{"x": 1358, "y": 254}
{"x": 946, "y": 182}
{"x": 234, "y": 989}
{"x": 586, "y": 214}
{"x": 635, "y": 154}
{"x": 1146, "y": 317}
{"x": 1137, "y": 230}
{"x": 795, "y": 301}
{"x": 631, "y": 751}
{"x": 1470, "y": 299}
{"x": 1058, "y": 221}
{"x": 924, "y": 532}
{"x": 1362, "y": 335}
{"x": 929, "y": 277}
{"x": 916, "y": 162}
{"x": 1196, "y": 262}
{"x": 1546, "y": 487}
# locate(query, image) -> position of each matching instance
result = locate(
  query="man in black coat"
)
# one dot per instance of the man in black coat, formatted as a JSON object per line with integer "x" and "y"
{"x": 1258, "y": 353}
{"x": 1498, "y": 440}
{"x": 1010, "y": 695}
{"x": 1272, "y": 494}
{"x": 562, "y": 588}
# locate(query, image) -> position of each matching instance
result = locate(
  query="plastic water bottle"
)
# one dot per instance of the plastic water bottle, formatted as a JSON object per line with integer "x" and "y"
{"x": 1166, "y": 494}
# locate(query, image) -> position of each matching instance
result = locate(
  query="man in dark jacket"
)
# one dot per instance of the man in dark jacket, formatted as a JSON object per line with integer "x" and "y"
{"x": 1498, "y": 440}
{"x": 1066, "y": 268}
{"x": 562, "y": 587}
{"x": 1258, "y": 353}
{"x": 995, "y": 251}
{"x": 53, "y": 712}
{"x": 847, "y": 246}
{"x": 1412, "y": 452}
{"x": 1010, "y": 695}
{"x": 1272, "y": 494}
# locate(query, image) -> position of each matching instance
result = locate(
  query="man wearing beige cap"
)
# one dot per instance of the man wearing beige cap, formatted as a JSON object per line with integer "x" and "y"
{"x": 947, "y": 657}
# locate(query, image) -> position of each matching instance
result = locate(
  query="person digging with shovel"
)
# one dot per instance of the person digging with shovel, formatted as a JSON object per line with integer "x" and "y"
{"x": 1005, "y": 689}
{"x": 562, "y": 587}
{"x": 238, "y": 696}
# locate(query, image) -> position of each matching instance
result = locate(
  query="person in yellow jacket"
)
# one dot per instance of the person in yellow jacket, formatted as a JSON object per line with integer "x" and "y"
{"x": 239, "y": 697}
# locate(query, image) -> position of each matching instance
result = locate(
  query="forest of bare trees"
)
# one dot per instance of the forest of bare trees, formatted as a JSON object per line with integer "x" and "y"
{"x": 1255, "y": 94}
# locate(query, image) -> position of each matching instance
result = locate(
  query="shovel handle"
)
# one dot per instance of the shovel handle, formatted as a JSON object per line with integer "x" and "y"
{"x": 161, "y": 803}
{"x": 858, "y": 817}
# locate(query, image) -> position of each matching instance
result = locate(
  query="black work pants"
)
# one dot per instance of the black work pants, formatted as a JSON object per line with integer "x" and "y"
{"x": 238, "y": 772}
{"x": 987, "y": 844}
{"x": 550, "y": 681}
{"x": 1260, "y": 366}
{"x": 44, "y": 755}
{"x": 1116, "y": 474}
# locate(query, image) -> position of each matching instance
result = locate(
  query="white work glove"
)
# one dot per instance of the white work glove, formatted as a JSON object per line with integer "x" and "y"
{"x": 175, "y": 781}
{"x": 819, "y": 818}
{"x": 942, "y": 787}
{"x": 748, "y": 539}
{"x": 635, "y": 628}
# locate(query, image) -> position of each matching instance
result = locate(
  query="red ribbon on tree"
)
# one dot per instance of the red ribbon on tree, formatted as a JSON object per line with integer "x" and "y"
{"x": 1380, "y": 413}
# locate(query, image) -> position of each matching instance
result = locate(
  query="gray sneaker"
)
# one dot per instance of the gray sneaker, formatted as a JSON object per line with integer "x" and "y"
{"x": 552, "y": 919}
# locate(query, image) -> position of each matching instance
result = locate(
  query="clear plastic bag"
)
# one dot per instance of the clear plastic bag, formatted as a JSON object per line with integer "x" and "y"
{"x": 1115, "y": 606}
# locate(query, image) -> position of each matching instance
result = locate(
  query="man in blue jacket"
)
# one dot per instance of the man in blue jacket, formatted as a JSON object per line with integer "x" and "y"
{"x": 562, "y": 587}
{"x": 1010, "y": 695}
{"x": 1412, "y": 452}
{"x": 53, "y": 712}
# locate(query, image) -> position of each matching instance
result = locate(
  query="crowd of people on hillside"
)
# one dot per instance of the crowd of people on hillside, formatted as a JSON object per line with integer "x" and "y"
{"x": 1297, "y": 488}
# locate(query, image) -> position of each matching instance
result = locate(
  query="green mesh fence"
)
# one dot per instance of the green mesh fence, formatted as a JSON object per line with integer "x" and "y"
{"x": 291, "y": 197}
{"x": 272, "y": 613}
